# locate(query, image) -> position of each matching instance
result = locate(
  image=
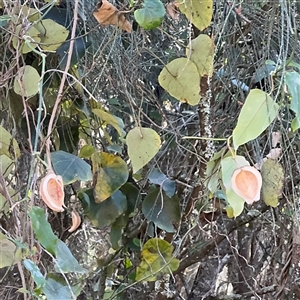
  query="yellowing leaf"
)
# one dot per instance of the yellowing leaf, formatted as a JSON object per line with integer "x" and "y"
{"x": 198, "y": 12}
{"x": 52, "y": 34}
{"x": 272, "y": 176}
{"x": 110, "y": 173}
{"x": 32, "y": 32}
{"x": 108, "y": 118}
{"x": 201, "y": 53}
{"x": 157, "y": 259}
{"x": 29, "y": 79}
{"x": 143, "y": 144}
{"x": 180, "y": 78}
{"x": 230, "y": 212}
{"x": 257, "y": 114}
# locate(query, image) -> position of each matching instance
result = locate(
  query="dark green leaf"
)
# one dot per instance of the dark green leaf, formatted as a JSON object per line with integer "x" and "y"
{"x": 159, "y": 178}
{"x": 43, "y": 230}
{"x": 161, "y": 210}
{"x": 56, "y": 288}
{"x": 133, "y": 196}
{"x": 70, "y": 167}
{"x": 66, "y": 262}
{"x": 105, "y": 213}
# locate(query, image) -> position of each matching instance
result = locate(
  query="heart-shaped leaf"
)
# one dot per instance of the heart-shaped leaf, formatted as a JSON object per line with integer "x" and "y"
{"x": 143, "y": 144}
{"x": 181, "y": 79}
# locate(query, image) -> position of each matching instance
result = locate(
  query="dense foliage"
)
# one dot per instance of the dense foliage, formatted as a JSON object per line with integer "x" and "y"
{"x": 149, "y": 148}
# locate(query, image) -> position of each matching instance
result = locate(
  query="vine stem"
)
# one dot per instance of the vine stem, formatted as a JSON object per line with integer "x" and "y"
{"x": 61, "y": 87}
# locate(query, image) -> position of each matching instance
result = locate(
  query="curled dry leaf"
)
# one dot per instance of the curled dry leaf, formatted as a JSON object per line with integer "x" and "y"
{"x": 76, "y": 221}
{"x": 172, "y": 9}
{"x": 274, "y": 153}
{"x": 246, "y": 182}
{"x": 107, "y": 14}
{"x": 52, "y": 191}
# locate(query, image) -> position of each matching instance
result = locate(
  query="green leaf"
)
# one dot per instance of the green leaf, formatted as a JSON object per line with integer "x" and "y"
{"x": 29, "y": 78}
{"x": 228, "y": 166}
{"x": 105, "y": 213}
{"x": 133, "y": 196}
{"x": 43, "y": 230}
{"x": 201, "y": 52}
{"x": 36, "y": 274}
{"x": 257, "y": 114}
{"x": 143, "y": 144}
{"x": 213, "y": 170}
{"x": 157, "y": 259}
{"x": 151, "y": 15}
{"x": 292, "y": 80}
{"x": 180, "y": 78}
{"x": 70, "y": 167}
{"x": 7, "y": 252}
{"x": 110, "y": 119}
{"x": 66, "y": 262}
{"x": 199, "y": 12}
{"x": 86, "y": 151}
{"x": 161, "y": 210}
{"x": 273, "y": 176}
{"x": 111, "y": 173}
{"x": 52, "y": 34}
{"x": 159, "y": 178}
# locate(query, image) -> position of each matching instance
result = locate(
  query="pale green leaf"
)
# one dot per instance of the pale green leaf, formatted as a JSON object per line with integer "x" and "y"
{"x": 52, "y": 34}
{"x": 33, "y": 40}
{"x": 201, "y": 52}
{"x": 143, "y": 144}
{"x": 110, "y": 119}
{"x": 256, "y": 115}
{"x": 29, "y": 79}
{"x": 36, "y": 274}
{"x": 7, "y": 252}
{"x": 180, "y": 78}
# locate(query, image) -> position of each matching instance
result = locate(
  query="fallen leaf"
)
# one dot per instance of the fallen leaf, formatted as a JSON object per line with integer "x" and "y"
{"x": 107, "y": 14}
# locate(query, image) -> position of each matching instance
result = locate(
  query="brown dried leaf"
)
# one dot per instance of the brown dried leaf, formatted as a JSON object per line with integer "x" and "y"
{"x": 107, "y": 14}
{"x": 172, "y": 9}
